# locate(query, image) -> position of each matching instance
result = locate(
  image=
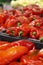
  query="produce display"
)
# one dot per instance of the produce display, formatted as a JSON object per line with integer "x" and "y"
{"x": 22, "y": 3}
{"x": 20, "y": 52}
{"x": 15, "y": 3}
{"x": 24, "y": 22}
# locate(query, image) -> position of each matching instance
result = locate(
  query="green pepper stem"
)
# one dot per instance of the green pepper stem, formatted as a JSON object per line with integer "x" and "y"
{"x": 20, "y": 33}
{"x": 41, "y": 38}
{"x": 18, "y": 24}
{"x": 38, "y": 24}
{"x": 34, "y": 33}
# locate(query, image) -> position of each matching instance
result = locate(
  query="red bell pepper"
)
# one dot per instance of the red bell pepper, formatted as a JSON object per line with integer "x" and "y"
{"x": 41, "y": 27}
{"x": 13, "y": 31}
{"x": 32, "y": 58}
{"x": 40, "y": 54}
{"x": 33, "y": 17}
{"x": 36, "y": 10}
{"x": 10, "y": 22}
{"x": 1, "y": 19}
{"x": 24, "y": 29}
{"x": 22, "y": 19}
{"x": 34, "y": 33}
{"x": 3, "y": 42}
{"x": 11, "y": 54}
{"x": 25, "y": 43}
{"x": 6, "y": 45}
{"x": 16, "y": 63}
{"x": 38, "y": 22}
{"x": 27, "y": 13}
{"x": 17, "y": 12}
{"x": 2, "y": 28}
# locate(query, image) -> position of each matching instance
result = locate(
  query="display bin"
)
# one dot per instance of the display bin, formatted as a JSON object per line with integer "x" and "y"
{"x": 9, "y": 38}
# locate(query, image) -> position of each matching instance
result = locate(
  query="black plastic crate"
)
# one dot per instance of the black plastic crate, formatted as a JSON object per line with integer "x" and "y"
{"x": 7, "y": 37}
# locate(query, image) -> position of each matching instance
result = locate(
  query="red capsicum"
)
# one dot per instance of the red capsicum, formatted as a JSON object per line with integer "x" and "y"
{"x": 22, "y": 19}
{"x": 25, "y": 43}
{"x": 17, "y": 12}
{"x": 32, "y": 58}
{"x": 11, "y": 54}
{"x": 24, "y": 29}
{"x": 6, "y": 45}
{"x": 41, "y": 27}
{"x": 16, "y": 63}
{"x": 38, "y": 22}
{"x": 10, "y": 22}
{"x": 34, "y": 33}
{"x": 33, "y": 17}
{"x": 40, "y": 54}
{"x": 2, "y": 28}
{"x": 13, "y": 31}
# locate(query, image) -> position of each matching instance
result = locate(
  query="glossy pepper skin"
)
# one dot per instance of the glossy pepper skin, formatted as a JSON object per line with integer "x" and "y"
{"x": 22, "y": 33}
{"x": 3, "y": 42}
{"x": 26, "y": 59}
{"x": 25, "y": 43}
{"x": 2, "y": 28}
{"x": 10, "y": 22}
{"x": 31, "y": 58}
{"x": 6, "y": 45}
{"x": 13, "y": 31}
{"x": 24, "y": 29}
{"x": 33, "y": 17}
{"x": 34, "y": 9}
{"x": 41, "y": 27}
{"x": 38, "y": 23}
{"x": 27, "y": 13}
{"x": 34, "y": 33}
{"x": 22, "y": 19}
{"x": 16, "y": 63}
{"x": 25, "y": 18}
{"x": 11, "y": 54}
{"x": 40, "y": 53}
{"x": 1, "y": 19}
{"x": 17, "y": 12}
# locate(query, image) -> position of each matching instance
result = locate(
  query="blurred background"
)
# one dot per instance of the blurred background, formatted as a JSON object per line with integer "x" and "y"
{"x": 4, "y": 1}
{"x": 8, "y": 4}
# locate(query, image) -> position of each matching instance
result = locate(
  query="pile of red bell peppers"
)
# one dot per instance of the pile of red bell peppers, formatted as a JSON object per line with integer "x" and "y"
{"x": 25, "y": 22}
{"x": 20, "y": 52}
